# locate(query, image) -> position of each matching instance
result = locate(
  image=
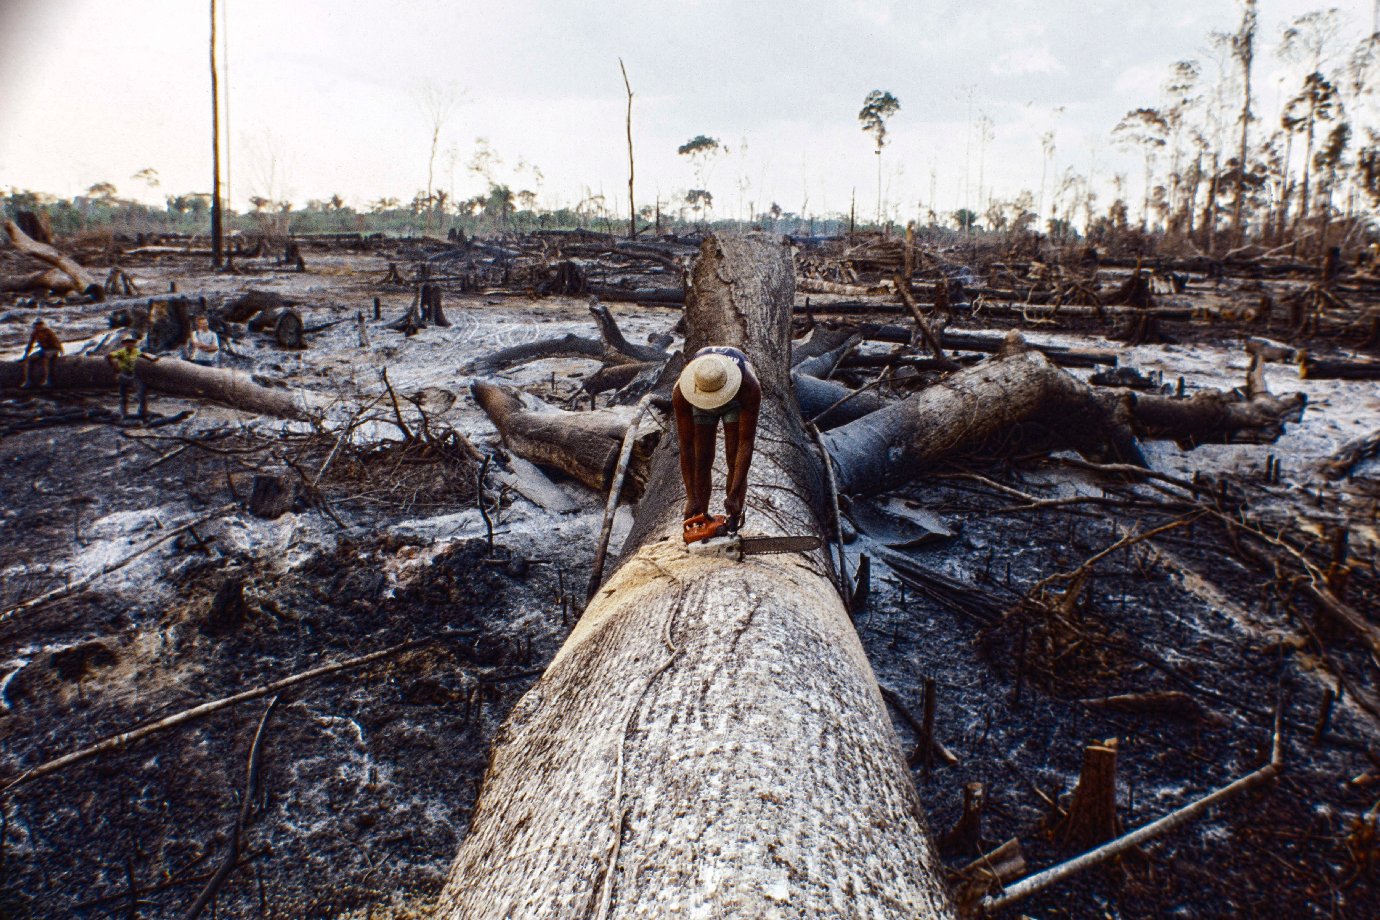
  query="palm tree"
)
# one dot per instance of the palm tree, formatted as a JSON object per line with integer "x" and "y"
{"x": 877, "y": 108}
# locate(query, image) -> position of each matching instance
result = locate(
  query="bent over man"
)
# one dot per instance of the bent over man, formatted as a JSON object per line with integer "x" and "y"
{"x": 719, "y": 384}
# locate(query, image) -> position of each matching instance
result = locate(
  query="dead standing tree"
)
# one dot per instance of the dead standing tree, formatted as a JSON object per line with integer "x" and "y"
{"x": 711, "y": 737}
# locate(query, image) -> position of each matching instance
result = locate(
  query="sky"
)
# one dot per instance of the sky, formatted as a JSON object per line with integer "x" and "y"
{"x": 326, "y": 96}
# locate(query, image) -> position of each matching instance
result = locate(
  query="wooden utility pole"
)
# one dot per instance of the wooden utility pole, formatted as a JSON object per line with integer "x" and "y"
{"x": 632, "y": 208}
{"x": 217, "y": 227}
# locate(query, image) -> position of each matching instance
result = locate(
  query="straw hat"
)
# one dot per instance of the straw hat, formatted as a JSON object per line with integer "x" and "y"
{"x": 710, "y": 380}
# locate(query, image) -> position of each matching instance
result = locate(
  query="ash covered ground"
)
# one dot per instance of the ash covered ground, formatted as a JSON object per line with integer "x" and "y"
{"x": 367, "y": 776}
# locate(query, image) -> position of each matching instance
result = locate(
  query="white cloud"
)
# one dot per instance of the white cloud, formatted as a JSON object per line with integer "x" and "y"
{"x": 1027, "y": 60}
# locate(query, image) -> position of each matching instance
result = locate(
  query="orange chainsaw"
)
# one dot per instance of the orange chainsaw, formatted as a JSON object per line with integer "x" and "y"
{"x": 707, "y": 535}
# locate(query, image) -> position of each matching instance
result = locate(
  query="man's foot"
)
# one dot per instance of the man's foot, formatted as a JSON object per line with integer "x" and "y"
{"x": 24, "y": 385}
{"x": 48, "y": 384}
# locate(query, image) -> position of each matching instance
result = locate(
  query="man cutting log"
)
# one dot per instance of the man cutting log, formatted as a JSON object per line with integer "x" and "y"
{"x": 718, "y": 384}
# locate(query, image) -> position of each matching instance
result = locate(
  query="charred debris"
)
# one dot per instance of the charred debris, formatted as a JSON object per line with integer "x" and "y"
{"x": 1106, "y": 527}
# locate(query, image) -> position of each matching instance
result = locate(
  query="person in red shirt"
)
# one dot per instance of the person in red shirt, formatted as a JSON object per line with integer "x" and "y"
{"x": 49, "y": 348}
{"x": 719, "y": 384}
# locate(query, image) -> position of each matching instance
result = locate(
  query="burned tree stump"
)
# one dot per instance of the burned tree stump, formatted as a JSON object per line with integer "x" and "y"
{"x": 432, "y": 311}
{"x": 169, "y": 324}
{"x": 569, "y": 280}
{"x": 1092, "y": 817}
{"x": 37, "y": 225}
{"x": 965, "y": 839}
{"x": 1134, "y": 291}
{"x": 272, "y": 495}
{"x": 1141, "y": 328}
{"x": 289, "y": 331}
{"x": 228, "y": 609}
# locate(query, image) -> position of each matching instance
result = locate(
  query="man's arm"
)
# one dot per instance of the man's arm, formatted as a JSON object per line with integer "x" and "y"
{"x": 33, "y": 338}
{"x": 750, "y": 404}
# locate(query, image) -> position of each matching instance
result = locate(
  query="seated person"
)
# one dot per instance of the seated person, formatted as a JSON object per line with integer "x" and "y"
{"x": 49, "y": 347}
{"x": 203, "y": 345}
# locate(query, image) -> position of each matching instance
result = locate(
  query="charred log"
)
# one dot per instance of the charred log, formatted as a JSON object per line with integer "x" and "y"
{"x": 895, "y": 443}
{"x": 583, "y": 445}
{"x": 175, "y": 378}
{"x": 66, "y": 275}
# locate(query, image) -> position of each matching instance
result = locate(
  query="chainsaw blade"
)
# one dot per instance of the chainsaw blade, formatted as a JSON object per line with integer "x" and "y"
{"x": 758, "y": 546}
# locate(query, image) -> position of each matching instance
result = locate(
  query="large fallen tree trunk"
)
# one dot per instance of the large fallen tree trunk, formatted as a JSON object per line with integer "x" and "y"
{"x": 175, "y": 378}
{"x": 583, "y": 445}
{"x": 970, "y": 407}
{"x": 66, "y": 276}
{"x": 710, "y": 741}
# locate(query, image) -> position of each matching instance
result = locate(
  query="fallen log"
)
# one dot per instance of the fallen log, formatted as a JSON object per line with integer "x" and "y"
{"x": 174, "y": 377}
{"x": 1311, "y": 368}
{"x": 1346, "y": 457}
{"x": 894, "y": 444}
{"x": 615, "y": 294}
{"x": 566, "y": 346}
{"x": 583, "y": 445}
{"x": 991, "y": 344}
{"x": 1058, "y": 354}
{"x": 66, "y": 277}
{"x": 1036, "y": 311}
{"x": 613, "y": 348}
{"x": 832, "y": 404}
{"x": 710, "y": 739}
{"x": 613, "y": 336}
{"x": 820, "y": 286}
{"x": 615, "y": 377}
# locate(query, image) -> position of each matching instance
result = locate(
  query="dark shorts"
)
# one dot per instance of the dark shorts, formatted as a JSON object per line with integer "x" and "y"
{"x": 43, "y": 353}
{"x": 729, "y": 412}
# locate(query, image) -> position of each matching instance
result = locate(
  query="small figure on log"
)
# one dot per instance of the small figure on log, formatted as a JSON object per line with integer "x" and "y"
{"x": 718, "y": 383}
{"x": 125, "y": 360}
{"x": 49, "y": 347}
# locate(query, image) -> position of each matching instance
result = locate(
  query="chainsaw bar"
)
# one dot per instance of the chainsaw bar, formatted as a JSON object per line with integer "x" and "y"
{"x": 758, "y": 546}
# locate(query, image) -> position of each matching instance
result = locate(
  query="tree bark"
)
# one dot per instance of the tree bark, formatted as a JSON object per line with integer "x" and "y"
{"x": 566, "y": 346}
{"x": 583, "y": 445}
{"x": 614, "y": 338}
{"x": 176, "y": 378}
{"x": 79, "y": 279}
{"x": 710, "y": 739}
{"x": 1092, "y": 818}
{"x": 895, "y": 444}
